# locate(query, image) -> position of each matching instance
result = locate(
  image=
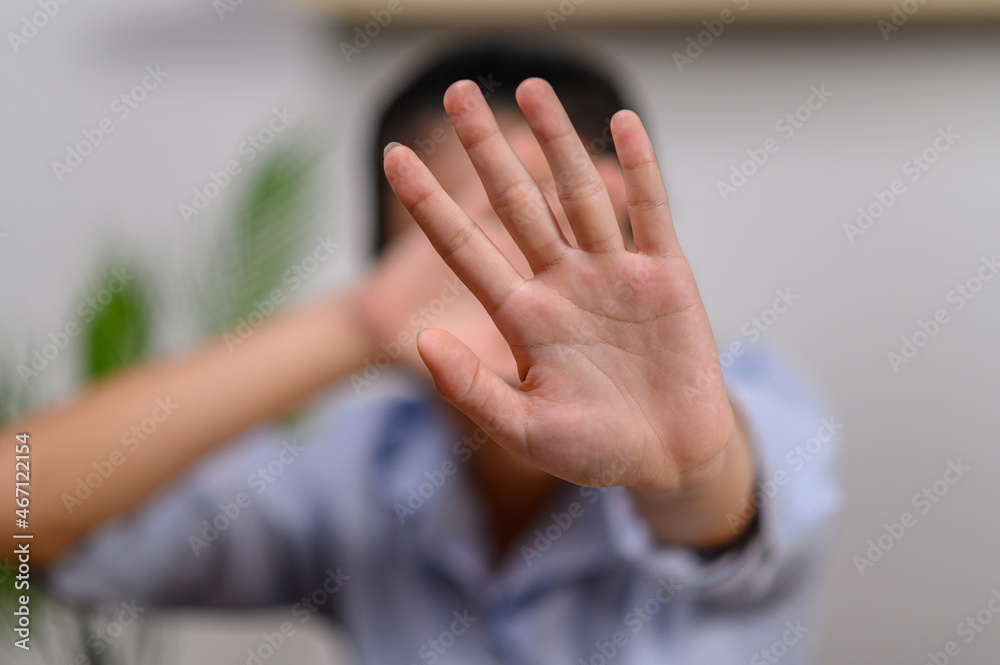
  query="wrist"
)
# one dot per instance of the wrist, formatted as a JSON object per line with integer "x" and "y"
{"x": 696, "y": 515}
{"x": 350, "y": 340}
{"x": 699, "y": 477}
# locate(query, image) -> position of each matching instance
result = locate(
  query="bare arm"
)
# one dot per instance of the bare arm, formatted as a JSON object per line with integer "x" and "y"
{"x": 158, "y": 418}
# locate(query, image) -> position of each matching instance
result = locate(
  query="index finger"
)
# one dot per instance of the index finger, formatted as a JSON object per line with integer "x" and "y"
{"x": 459, "y": 240}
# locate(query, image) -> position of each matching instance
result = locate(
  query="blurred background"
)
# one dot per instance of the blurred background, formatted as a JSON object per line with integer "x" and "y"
{"x": 846, "y": 153}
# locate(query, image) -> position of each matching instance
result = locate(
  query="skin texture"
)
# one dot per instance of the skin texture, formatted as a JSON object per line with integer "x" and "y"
{"x": 617, "y": 372}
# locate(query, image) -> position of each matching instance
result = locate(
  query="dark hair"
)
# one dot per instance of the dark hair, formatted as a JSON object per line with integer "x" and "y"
{"x": 589, "y": 94}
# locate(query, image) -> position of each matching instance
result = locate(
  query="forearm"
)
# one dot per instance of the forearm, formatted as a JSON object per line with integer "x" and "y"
{"x": 699, "y": 518}
{"x": 153, "y": 421}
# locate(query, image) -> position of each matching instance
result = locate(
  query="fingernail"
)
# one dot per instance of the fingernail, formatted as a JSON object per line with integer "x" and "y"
{"x": 389, "y": 146}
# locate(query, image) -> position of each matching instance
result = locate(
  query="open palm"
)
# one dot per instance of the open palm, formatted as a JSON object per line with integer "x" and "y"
{"x": 620, "y": 380}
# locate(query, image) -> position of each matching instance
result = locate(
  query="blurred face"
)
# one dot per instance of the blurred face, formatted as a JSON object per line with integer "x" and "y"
{"x": 452, "y": 167}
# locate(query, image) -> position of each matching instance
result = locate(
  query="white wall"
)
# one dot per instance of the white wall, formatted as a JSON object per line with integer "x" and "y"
{"x": 783, "y": 229}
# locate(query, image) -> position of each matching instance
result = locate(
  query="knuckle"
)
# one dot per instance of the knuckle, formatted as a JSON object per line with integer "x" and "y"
{"x": 512, "y": 197}
{"x": 643, "y": 204}
{"x": 459, "y": 239}
{"x": 580, "y": 190}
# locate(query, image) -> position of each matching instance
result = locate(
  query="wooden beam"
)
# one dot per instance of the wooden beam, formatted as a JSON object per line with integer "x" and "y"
{"x": 646, "y": 12}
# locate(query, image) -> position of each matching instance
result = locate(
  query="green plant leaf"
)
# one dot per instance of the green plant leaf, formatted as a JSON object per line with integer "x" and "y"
{"x": 267, "y": 235}
{"x": 119, "y": 334}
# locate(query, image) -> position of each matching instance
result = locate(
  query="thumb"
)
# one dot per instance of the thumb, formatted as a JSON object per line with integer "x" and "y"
{"x": 462, "y": 379}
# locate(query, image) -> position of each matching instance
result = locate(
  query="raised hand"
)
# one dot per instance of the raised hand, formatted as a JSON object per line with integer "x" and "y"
{"x": 620, "y": 380}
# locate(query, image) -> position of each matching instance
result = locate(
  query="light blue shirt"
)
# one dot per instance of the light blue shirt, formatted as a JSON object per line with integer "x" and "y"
{"x": 369, "y": 516}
